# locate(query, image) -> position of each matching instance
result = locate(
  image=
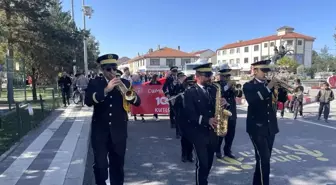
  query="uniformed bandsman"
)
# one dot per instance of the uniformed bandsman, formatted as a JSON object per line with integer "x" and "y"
{"x": 229, "y": 93}
{"x": 199, "y": 107}
{"x": 261, "y": 122}
{"x": 168, "y": 89}
{"x": 181, "y": 120}
{"x": 109, "y": 121}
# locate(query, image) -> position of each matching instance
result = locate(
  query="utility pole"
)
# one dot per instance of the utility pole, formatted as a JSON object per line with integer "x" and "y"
{"x": 87, "y": 11}
{"x": 10, "y": 55}
{"x": 73, "y": 19}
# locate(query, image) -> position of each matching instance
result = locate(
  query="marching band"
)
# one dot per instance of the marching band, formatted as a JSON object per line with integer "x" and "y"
{"x": 193, "y": 102}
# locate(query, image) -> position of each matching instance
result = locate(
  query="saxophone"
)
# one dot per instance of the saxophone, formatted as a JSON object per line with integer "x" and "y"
{"x": 221, "y": 115}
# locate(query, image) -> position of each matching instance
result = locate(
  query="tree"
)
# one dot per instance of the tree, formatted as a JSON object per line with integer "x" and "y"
{"x": 44, "y": 36}
{"x": 288, "y": 62}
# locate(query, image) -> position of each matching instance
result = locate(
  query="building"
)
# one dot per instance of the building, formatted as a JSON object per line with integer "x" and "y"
{"x": 206, "y": 53}
{"x": 241, "y": 54}
{"x": 123, "y": 62}
{"x": 213, "y": 59}
{"x": 160, "y": 60}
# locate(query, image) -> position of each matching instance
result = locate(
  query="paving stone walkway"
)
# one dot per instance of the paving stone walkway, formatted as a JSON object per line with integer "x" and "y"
{"x": 53, "y": 156}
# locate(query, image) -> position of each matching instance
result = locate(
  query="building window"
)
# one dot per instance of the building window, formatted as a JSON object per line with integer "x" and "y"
{"x": 231, "y": 61}
{"x": 245, "y": 60}
{"x": 154, "y": 62}
{"x": 256, "y": 47}
{"x": 224, "y": 52}
{"x": 255, "y": 59}
{"x": 170, "y": 62}
{"x": 265, "y": 45}
{"x": 299, "y": 42}
{"x": 246, "y": 50}
{"x": 238, "y": 50}
{"x": 218, "y": 53}
{"x": 289, "y": 42}
{"x": 272, "y": 44}
{"x": 218, "y": 62}
{"x": 224, "y": 61}
{"x": 238, "y": 61}
{"x": 231, "y": 51}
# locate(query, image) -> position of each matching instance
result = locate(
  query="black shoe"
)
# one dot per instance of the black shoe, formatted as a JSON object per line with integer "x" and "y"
{"x": 143, "y": 119}
{"x": 184, "y": 159}
{"x": 190, "y": 159}
{"x": 326, "y": 121}
{"x": 219, "y": 155}
{"x": 135, "y": 118}
{"x": 318, "y": 118}
{"x": 230, "y": 155}
{"x": 178, "y": 136}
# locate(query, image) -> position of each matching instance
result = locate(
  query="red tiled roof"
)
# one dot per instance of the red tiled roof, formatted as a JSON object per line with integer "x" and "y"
{"x": 199, "y": 52}
{"x": 164, "y": 53}
{"x": 167, "y": 52}
{"x": 268, "y": 38}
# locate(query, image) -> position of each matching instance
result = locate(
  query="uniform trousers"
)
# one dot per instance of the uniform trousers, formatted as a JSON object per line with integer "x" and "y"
{"x": 263, "y": 145}
{"x": 228, "y": 138}
{"x": 172, "y": 116}
{"x": 205, "y": 143}
{"x": 187, "y": 147}
{"x": 326, "y": 108}
{"x": 104, "y": 148}
{"x": 66, "y": 96}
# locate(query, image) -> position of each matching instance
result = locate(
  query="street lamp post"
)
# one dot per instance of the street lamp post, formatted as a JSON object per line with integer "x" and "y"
{"x": 73, "y": 19}
{"x": 87, "y": 11}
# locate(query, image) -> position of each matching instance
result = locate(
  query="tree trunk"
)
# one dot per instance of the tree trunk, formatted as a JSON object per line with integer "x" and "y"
{"x": 10, "y": 55}
{"x": 34, "y": 79}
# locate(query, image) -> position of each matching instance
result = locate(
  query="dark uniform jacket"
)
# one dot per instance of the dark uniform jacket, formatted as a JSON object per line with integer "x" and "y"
{"x": 199, "y": 109}
{"x": 168, "y": 86}
{"x": 230, "y": 96}
{"x": 261, "y": 117}
{"x": 108, "y": 113}
{"x": 65, "y": 83}
{"x": 282, "y": 95}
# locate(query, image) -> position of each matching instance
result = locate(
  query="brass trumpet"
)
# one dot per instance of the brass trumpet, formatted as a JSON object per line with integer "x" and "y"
{"x": 128, "y": 93}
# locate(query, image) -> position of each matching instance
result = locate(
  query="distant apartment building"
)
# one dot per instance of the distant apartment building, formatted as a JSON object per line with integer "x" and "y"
{"x": 241, "y": 54}
{"x": 161, "y": 60}
{"x": 206, "y": 53}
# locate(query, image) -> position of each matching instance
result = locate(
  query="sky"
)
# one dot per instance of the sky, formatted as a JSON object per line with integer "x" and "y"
{"x": 126, "y": 27}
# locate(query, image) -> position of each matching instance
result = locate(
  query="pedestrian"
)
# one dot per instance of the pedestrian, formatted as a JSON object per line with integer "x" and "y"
{"x": 155, "y": 82}
{"x": 168, "y": 90}
{"x": 261, "y": 122}
{"x": 127, "y": 75}
{"x": 65, "y": 84}
{"x": 199, "y": 107}
{"x": 282, "y": 98}
{"x": 325, "y": 96}
{"x": 181, "y": 118}
{"x": 136, "y": 80}
{"x": 229, "y": 94}
{"x": 109, "y": 121}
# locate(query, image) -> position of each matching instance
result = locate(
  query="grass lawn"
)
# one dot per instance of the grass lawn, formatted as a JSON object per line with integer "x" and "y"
{"x": 19, "y": 93}
{"x": 10, "y": 131}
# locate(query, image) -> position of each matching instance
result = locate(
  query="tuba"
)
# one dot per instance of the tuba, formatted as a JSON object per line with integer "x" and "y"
{"x": 128, "y": 95}
{"x": 221, "y": 115}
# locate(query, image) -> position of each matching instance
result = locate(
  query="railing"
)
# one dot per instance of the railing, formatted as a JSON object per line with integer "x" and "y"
{"x": 26, "y": 116}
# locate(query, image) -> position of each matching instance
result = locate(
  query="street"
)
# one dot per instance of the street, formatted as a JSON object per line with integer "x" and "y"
{"x": 303, "y": 154}
{"x": 58, "y": 153}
